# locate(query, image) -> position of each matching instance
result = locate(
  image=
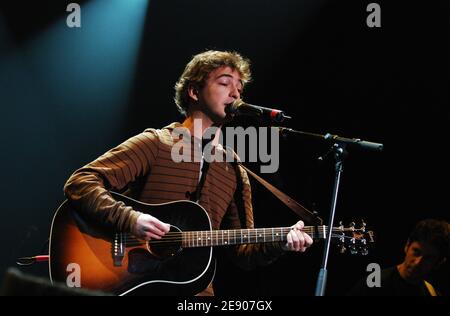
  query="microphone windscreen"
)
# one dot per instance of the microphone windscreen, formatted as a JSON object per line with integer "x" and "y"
{"x": 232, "y": 108}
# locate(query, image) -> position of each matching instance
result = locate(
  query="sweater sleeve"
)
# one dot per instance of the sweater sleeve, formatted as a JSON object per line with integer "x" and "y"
{"x": 248, "y": 256}
{"x": 87, "y": 189}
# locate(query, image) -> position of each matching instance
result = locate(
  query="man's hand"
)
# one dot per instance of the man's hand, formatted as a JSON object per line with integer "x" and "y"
{"x": 148, "y": 227}
{"x": 297, "y": 240}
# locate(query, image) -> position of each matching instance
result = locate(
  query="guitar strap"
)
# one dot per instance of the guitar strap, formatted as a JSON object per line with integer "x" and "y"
{"x": 305, "y": 214}
{"x": 204, "y": 169}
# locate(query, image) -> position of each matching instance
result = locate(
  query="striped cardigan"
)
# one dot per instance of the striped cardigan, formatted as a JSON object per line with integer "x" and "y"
{"x": 143, "y": 166}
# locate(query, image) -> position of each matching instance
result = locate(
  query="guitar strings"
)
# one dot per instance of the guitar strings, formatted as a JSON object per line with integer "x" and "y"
{"x": 200, "y": 234}
{"x": 158, "y": 242}
{"x": 254, "y": 232}
{"x": 175, "y": 240}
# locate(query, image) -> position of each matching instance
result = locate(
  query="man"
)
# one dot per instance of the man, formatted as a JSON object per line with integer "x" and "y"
{"x": 144, "y": 165}
{"x": 426, "y": 250}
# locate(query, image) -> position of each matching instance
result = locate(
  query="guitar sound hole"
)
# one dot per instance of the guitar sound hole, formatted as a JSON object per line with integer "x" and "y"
{"x": 168, "y": 246}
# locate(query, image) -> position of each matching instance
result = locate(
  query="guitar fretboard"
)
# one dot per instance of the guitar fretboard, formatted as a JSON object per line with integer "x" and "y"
{"x": 244, "y": 236}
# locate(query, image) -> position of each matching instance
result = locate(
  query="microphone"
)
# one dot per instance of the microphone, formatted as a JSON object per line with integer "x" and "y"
{"x": 239, "y": 107}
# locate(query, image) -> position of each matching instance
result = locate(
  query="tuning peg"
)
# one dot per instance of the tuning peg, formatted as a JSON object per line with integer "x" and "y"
{"x": 363, "y": 225}
{"x": 342, "y": 248}
{"x": 364, "y": 251}
{"x": 353, "y": 250}
{"x": 352, "y": 226}
{"x": 352, "y": 246}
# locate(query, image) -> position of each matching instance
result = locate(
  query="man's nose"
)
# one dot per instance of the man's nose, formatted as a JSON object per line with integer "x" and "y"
{"x": 234, "y": 93}
{"x": 418, "y": 260}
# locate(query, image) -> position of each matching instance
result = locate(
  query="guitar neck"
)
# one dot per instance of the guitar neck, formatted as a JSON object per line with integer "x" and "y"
{"x": 245, "y": 236}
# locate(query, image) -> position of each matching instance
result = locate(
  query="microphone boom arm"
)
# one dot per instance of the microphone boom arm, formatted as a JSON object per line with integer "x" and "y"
{"x": 334, "y": 138}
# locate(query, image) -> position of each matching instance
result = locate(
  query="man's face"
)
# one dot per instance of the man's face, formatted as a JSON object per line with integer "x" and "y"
{"x": 222, "y": 87}
{"x": 420, "y": 260}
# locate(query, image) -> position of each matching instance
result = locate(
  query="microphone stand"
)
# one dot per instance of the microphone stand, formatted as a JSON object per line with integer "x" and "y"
{"x": 340, "y": 153}
{"x": 339, "y": 149}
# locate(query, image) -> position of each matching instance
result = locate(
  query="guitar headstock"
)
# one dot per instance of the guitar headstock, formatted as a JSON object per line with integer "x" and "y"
{"x": 353, "y": 238}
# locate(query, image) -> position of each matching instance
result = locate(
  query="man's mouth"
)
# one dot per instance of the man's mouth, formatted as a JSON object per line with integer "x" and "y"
{"x": 413, "y": 271}
{"x": 230, "y": 108}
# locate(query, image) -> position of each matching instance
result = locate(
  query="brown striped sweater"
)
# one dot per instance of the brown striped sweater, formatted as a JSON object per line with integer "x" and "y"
{"x": 143, "y": 165}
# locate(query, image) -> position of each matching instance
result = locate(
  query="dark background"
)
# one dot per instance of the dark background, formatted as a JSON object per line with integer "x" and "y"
{"x": 67, "y": 96}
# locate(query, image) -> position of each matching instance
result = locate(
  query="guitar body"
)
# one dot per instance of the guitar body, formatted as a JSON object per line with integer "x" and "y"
{"x": 88, "y": 255}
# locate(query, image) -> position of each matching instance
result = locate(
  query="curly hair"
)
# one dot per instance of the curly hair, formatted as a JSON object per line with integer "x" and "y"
{"x": 197, "y": 71}
{"x": 433, "y": 232}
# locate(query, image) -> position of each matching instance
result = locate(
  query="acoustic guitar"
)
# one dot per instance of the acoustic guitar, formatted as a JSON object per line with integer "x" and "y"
{"x": 89, "y": 255}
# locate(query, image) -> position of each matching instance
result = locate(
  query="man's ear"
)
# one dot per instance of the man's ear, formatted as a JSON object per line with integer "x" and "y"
{"x": 193, "y": 92}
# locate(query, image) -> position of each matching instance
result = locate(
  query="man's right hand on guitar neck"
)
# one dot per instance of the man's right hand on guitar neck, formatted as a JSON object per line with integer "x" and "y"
{"x": 148, "y": 227}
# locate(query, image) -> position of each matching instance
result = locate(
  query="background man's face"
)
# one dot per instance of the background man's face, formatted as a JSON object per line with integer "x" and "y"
{"x": 420, "y": 260}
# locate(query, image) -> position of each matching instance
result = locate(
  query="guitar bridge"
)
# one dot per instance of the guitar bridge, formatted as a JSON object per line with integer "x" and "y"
{"x": 118, "y": 251}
